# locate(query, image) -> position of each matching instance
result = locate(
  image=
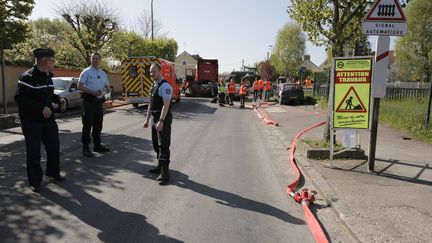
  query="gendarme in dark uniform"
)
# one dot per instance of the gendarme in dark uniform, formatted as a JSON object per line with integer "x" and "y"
{"x": 34, "y": 96}
{"x": 160, "y": 110}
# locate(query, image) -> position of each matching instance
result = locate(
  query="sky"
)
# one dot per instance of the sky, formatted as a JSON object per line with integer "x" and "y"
{"x": 228, "y": 30}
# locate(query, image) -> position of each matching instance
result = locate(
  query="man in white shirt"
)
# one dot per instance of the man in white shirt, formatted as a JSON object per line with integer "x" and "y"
{"x": 94, "y": 84}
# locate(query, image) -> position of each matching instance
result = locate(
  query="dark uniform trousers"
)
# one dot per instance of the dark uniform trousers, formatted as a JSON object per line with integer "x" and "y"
{"x": 162, "y": 140}
{"x": 46, "y": 132}
{"x": 242, "y": 100}
{"x": 92, "y": 117}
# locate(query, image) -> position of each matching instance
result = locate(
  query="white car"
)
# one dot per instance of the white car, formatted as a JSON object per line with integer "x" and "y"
{"x": 66, "y": 88}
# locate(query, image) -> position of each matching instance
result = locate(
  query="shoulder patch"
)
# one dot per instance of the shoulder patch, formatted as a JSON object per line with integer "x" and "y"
{"x": 168, "y": 91}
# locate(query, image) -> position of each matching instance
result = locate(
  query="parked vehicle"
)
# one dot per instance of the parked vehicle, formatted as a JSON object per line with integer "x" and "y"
{"x": 137, "y": 83}
{"x": 206, "y": 77}
{"x": 66, "y": 88}
{"x": 289, "y": 93}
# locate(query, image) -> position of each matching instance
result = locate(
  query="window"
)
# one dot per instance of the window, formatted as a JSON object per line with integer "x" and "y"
{"x": 73, "y": 86}
{"x": 184, "y": 62}
{"x": 133, "y": 71}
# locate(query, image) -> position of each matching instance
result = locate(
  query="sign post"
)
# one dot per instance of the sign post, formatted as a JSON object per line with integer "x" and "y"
{"x": 385, "y": 19}
{"x": 351, "y": 89}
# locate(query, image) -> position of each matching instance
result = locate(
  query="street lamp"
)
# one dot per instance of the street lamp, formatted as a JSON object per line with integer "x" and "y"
{"x": 268, "y": 52}
{"x": 152, "y": 20}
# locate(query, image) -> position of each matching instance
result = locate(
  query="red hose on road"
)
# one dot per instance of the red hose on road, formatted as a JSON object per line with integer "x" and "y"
{"x": 305, "y": 197}
{"x": 266, "y": 118}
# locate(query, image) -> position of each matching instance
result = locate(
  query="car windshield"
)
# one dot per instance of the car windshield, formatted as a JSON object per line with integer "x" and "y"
{"x": 291, "y": 87}
{"x": 60, "y": 84}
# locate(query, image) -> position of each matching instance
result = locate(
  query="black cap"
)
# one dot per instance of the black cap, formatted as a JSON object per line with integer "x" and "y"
{"x": 43, "y": 52}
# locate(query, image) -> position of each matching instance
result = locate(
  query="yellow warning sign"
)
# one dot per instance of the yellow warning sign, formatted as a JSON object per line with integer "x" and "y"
{"x": 351, "y": 102}
{"x": 352, "y": 86}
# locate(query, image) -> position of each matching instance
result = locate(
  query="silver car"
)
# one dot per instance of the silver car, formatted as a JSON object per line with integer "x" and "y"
{"x": 66, "y": 88}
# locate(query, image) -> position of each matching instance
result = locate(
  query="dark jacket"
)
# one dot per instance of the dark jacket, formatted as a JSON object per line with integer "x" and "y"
{"x": 34, "y": 91}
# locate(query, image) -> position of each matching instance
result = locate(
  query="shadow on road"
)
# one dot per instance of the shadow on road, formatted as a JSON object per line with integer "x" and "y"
{"x": 31, "y": 217}
{"x": 404, "y": 175}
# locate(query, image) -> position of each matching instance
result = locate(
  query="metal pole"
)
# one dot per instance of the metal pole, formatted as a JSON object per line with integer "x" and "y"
{"x": 5, "y": 110}
{"x": 152, "y": 26}
{"x": 428, "y": 111}
{"x": 374, "y": 133}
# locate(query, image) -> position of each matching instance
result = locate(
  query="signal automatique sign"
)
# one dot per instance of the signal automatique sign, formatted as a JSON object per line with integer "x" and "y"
{"x": 385, "y": 18}
{"x": 352, "y": 86}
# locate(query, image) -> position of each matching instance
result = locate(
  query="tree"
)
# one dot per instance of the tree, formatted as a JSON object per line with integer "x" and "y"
{"x": 12, "y": 20}
{"x": 93, "y": 25}
{"x": 144, "y": 26}
{"x": 266, "y": 70}
{"x": 125, "y": 44}
{"x": 334, "y": 23}
{"x": 289, "y": 49}
{"x": 46, "y": 33}
{"x": 414, "y": 51}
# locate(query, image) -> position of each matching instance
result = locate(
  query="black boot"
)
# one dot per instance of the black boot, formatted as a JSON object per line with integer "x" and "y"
{"x": 164, "y": 175}
{"x": 157, "y": 169}
{"x": 86, "y": 152}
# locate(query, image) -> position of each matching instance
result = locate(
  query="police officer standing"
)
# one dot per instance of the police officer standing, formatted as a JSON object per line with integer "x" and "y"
{"x": 94, "y": 84}
{"x": 34, "y": 96}
{"x": 160, "y": 110}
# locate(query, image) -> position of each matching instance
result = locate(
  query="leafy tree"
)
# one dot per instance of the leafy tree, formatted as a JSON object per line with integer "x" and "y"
{"x": 414, "y": 51}
{"x": 334, "y": 23}
{"x": 13, "y": 14}
{"x": 125, "y": 44}
{"x": 266, "y": 70}
{"x": 93, "y": 25}
{"x": 289, "y": 50}
{"x": 46, "y": 33}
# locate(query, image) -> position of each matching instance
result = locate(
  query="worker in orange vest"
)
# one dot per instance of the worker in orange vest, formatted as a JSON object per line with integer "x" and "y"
{"x": 267, "y": 89}
{"x": 256, "y": 89}
{"x": 243, "y": 91}
{"x": 261, "y": 87}
{"x": 231, "y": 91}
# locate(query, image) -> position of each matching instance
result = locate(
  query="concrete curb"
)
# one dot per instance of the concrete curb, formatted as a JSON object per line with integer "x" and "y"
{"x": 324, "y": 189}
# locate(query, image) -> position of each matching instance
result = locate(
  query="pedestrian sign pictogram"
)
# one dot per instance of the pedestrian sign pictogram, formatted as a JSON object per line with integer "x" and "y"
{"x": 385, "y": 18}
{"x": 351, "y": 92}
{"x": 351, "y": 102}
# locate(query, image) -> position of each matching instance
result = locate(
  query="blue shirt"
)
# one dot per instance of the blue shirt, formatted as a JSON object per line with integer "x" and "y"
{"x": 94, "y": 79}
{"x": 165, "y": 91}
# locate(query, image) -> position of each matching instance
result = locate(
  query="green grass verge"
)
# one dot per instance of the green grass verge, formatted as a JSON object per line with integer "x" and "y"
{"x": 321, "y": 144}
{"x": 407, "y": 115}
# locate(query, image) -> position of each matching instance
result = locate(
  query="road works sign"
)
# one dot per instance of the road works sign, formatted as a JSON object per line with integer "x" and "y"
{"x": 351, "y": 92}
{"x": 385, "y": 18}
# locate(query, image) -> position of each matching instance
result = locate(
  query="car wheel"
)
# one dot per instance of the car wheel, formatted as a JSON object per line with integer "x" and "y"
{"x": 135, "y": 105}
{"x": 63, "y": 108}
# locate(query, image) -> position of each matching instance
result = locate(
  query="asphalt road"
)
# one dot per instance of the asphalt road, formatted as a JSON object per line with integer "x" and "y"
{"x": 228, "y": 179}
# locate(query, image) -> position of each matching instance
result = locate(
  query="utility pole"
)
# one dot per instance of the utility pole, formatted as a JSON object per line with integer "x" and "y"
{"x": 428, "y": 111}
{"x": 152, "y": 26}
{"x": 2, "y": 47}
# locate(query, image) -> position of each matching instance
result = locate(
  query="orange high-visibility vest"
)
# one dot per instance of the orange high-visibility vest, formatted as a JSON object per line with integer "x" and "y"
{"x": 256, "y": 85}
{"x": 267, "y": 85}
{"x": 243, "y": 89}
{"x": 231, "y": 88}
{"x": 261, "y": 84}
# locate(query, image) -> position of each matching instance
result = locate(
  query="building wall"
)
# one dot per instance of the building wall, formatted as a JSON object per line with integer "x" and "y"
{"x": 12, "y": 74}
{"x": 181, "y": 67}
